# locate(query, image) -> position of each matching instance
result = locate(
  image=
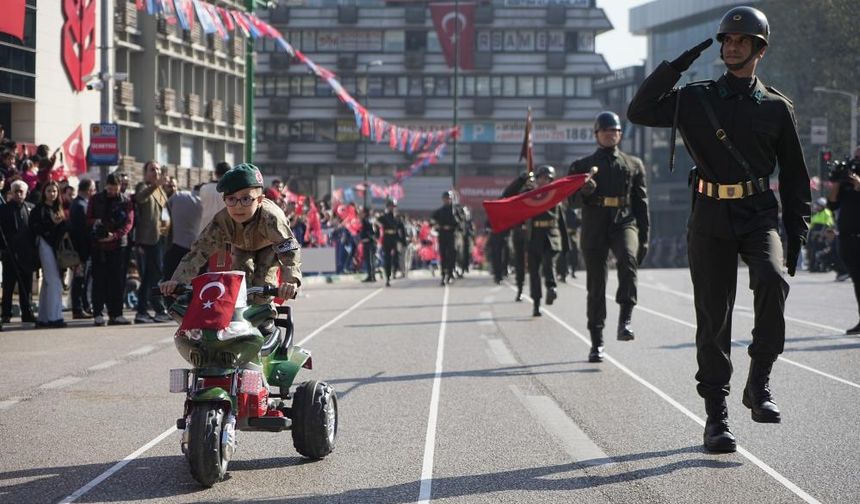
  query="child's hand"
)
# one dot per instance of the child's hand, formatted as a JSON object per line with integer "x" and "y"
{"x": 287, "y": 290}
{"x": 167, "y": 287}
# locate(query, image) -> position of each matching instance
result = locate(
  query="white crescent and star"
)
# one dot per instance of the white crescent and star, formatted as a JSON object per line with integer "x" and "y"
{"x": 218, "y": 285}
{"x": 459, "y": 20}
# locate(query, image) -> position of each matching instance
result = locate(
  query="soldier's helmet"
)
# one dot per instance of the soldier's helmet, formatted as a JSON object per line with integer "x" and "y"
{"x": 545, "y": 170}
{"x": 390, "y": 203}
{"x": 746, "y": 21}
{"x": 607, "y": 120}
{"x": 448, "y": 194}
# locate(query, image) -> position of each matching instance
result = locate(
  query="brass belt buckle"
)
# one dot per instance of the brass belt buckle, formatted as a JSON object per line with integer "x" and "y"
{"x": 612, "y": 201}
{"x": 730, "y": 191}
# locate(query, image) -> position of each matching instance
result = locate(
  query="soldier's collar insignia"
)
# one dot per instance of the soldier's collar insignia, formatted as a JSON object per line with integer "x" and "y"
{"x": 722, "y": 89}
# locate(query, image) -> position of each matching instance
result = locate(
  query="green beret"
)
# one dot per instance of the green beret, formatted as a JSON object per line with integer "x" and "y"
{"x": 239, "y": 177}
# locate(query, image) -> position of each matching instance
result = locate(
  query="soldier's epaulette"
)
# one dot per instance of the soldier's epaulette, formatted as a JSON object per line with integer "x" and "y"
{"x": 779, "y": 93}
{"x": 705, "y": 83}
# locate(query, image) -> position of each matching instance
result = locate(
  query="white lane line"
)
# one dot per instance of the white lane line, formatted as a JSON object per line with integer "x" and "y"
{"x": 556, "y": 422}
{"x": 748, "y": 311}
{"x": 749, "y": 456}
{"x": 143, "y": 449}
{"x": 12, "y": 401}
{"x": 65, "y": 381}
{"x": 116, "y": 467}
{"x": 501, "y": 352}
{"x": 141, "y": 351}
{"x": 743, "y": 345}
{"x": 103, "y": 365}
{"x": 430, "y": 439}
{"x": 342, "y": 315}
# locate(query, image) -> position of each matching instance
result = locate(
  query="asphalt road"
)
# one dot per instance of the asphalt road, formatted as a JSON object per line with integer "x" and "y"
{"x": 452, "y": 394}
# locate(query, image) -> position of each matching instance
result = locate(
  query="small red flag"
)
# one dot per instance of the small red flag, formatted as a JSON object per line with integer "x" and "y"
{"x": 508, "y": 212}
{"x": 12, "y": 21}
{"x": 74, "y": 151}
{"x": 213, "y": 300}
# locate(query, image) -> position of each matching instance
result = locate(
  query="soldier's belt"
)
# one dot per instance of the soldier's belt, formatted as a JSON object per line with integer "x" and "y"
{"x": 740, "y": 190}
{"x": 390, "y": 231}
{"x": 446, "y": 228}
{"x": 544, "y": 224}
{"x": 609, "y": 201}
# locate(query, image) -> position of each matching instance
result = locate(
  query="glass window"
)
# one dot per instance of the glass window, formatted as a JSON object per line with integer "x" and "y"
{"x": 323, "y": 89}
{"x": 295, "y": 86}
{"x": 429, "y": 86}
{"x": 433, "y": 45}
{"x": 583, "y": 87}
{"x": 540, "y": 86}
{"x": 526, "y": 85}
{"x": 555, "y": 41}
{"x": 282, "y": 86}
{"x": 570, "y": 41}
{"x": 309, "y": 40}
{"x": 395, "y": 41}
{"x": 468, "y": 86}
{"x": 416, "y": 85}
{"x": 389, "y": 86}
{"x": 509, "y": 85}
{"x": 496, "y": 85}
{"x": 554, "y": 86}
{"x": 349, "y": 84}
{"x": 374, "y": 87}
{"x": 443, "y": 86}
{"x": 308, "y": 86}
{"x": 586, "y": 42}
{"x": 416, "y": 40}
{"x": 570, "y": 86}
{"x": 482, "y": 85}
{"x": 402, "y": 86}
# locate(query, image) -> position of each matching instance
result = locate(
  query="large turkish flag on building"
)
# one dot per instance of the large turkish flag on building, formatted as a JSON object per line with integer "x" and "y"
{"x": 450, "y": 23}
{"x": 214, "y": 297}
{"x": 508, "y": 212}
{"x": 12, "y": 20}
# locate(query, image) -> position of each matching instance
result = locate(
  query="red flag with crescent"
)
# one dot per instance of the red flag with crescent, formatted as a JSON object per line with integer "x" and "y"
{"x": 213, "y": 300}
{"x": 508, "y": 212}
{"x": 455, "y": 27}
{"x": 74, "y": 152}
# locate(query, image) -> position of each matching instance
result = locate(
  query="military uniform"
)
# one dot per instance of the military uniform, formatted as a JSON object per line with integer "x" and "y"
{"x": 447, "y": 224}
{"x": 519, "y": 234}
{"x": 614, "y": 217}
{"x": 567, "y": 263}
{"x": 467, "y": 236}
{"x": 260, "y": 247}
{"x": 734, "y": 212}
{"x": 369, "y": 235}
{"x": 394, "y": 234}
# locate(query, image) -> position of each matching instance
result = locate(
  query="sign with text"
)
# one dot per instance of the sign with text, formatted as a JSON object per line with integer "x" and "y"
{"x": 104, "y": 144}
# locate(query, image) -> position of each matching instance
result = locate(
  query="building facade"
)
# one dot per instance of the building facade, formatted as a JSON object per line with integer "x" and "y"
{"x": 535, "y": 53}
{"x": 672, "y": 27}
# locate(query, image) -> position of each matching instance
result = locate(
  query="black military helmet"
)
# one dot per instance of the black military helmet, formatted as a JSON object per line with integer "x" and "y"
{"x": 391, "y": 202}
{"x": 448, "y": 194}
{"x": 746, "y": 21}
{"x": 545, "y": 170}
{"x": 607, "y": 120}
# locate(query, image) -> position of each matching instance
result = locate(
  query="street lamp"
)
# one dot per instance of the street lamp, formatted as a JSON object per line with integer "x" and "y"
{"x": 367, "y": 106}
{"x": 854, "y": 140}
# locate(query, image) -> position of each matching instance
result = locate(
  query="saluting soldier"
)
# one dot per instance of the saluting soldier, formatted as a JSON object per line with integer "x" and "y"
{"x": 545, "y": 232}
{"x": 737, "y": 130}
{"x": 369, "y": 235}
{"x": 519, "y": 233}
{"x": 447, "y": 223}
{"x": 614, "y": 217}
{"x": 394, "y": 234}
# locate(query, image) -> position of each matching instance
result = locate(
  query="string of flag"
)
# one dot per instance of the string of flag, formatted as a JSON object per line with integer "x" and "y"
{"x": 430, "y": 145}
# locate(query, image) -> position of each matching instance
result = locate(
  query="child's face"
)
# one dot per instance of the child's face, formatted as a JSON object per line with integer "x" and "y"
{"x": 252, "y": 196}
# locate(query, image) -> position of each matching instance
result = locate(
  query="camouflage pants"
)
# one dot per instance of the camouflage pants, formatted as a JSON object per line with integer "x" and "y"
{"x": 260, "y": 267}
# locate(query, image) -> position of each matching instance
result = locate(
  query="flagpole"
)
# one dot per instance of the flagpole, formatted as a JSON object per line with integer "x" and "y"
{"x": 456, "y": 86}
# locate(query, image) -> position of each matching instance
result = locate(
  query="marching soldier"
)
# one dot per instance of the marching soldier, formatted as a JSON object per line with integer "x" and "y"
{"x": 394, "y": 234}
{"x": 369, "y": 235}
{"x": 567, "y": 263}
{"x": 447, "y": 223}
{"x": 737, "y": 129}
{"x": 614, "y": 217}
{"x": 545, "y": 232}
{"x": 519, "y": 233}
{"x": 467, "y": 230}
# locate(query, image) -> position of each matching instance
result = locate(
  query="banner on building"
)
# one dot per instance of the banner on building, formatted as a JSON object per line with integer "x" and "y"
{"x": 455, "y": 27}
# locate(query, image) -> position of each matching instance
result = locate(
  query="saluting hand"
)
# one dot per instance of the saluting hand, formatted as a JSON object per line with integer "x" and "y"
{"x": 683, "y": 62}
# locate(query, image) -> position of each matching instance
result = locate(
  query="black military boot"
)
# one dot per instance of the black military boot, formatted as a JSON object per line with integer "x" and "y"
{"x": 536, "y": 309}
{"x": 757, "y": 395}
{"x": 625, "y": 332}
{"x": 519, "y": 294}
{"x": 718, "y": 437}
{"x": 596, "y": 352}
{"x": 551, "y": 295}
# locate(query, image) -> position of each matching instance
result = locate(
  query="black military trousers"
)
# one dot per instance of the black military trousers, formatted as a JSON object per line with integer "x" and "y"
{"x": 498, "y": 244}
{"x": 714, "y": 270}
{"x": 519, "y": 257}
{"x": 849, "y": 251}
{"x": 447, "y": 254}
{"x": 567, "y": 261}
{"x": 369, "y": 252}
{"x": 541, "y": 263}
{"x": 624, "y": 242}
{"x": 12, "y": 275}
{"x": 390, "y": 258}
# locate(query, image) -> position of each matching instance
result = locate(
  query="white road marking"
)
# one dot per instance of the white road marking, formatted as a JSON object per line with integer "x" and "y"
{"x": 116, "y": 467}
{"x": 749, "y": 456}
{"x": 425, "y": 491}
{"x": 141, "y": 351}
{"x": 65, "y": 381}
{"x": 556, "y": 422}
{"x": 12, "y": 401}
{"x": 342, "y": 315}
{"x": 742, "y": 345}
{"x": 103, "y": 365}
{"x": 143, "y": 449}
{"x": 501, "y": 352}
{"x": 166, "y": 340}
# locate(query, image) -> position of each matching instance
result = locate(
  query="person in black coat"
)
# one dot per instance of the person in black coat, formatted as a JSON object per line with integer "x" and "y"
{"x": 394, "y": 235}
{"x": 369, "y": 234}
{"x": 80, "y": 235}
{"x": 447, "y": 222}
{"x": 48, "y": 225}
{"x": 20, "y": 258}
